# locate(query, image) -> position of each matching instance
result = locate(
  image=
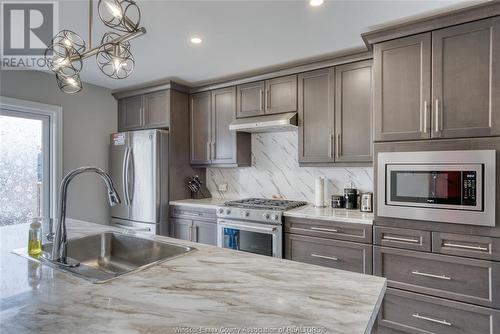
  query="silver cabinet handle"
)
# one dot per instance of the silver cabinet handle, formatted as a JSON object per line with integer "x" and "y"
{"x": 332, "y": 230}
{"x": 330, "y": 147}
{"x": 325, "y": 257}
{"x": 261, "y": 99}
{"x": 268, "y": 99}
{"x": 398, "y": 239}
{"x": 338, "y": 145}
{"x": 443, "y": 277}
{"x": 195, "y": 233}
{"x": 442, "y": 322}
{"x": 426, "y": 110}
{"x": 477, "y": 248}
{"x": 437, "y": 115}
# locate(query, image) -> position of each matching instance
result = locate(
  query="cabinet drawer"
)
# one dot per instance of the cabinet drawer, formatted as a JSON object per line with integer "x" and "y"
{"x": 463, "y": 279}
{"x": 466, "y": 245}
{"x": 402, "y": 238}
{"x": 329, "y": 229}
{"x": 415, "y": 313}
{"x": 329, "y": 253}
{"x": 192, "y": 212}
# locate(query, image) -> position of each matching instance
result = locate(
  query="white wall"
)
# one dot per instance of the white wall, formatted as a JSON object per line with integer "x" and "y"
{"x": 88, "y": 119}
{"x": 275, "y": 172}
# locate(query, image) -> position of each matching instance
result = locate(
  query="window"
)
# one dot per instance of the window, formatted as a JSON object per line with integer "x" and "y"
{"x": 29, "y": 168}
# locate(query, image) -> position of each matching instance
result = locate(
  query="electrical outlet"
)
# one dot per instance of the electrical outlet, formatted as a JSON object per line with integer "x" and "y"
{"x": 222, "y": 187}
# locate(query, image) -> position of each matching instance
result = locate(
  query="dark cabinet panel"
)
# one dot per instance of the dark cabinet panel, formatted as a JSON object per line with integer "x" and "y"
{"x": 402, "y": 238}
{"x": 131, "y": 113}
{"x": 316, "y": 116}
{"x": 353, "y": 112}
{"x": 201, "y": 128}
{"x": 181, "y": 228}
{"x": 414, "y": 313}
{"x": 281, "y": 95}
{"x": 250, "y": 99}
{"x": 467, "y": 280}
{"x": 329, "y": 253}
{"x": 156, "y": 110}
{"x": 205, "y": 232}
{"x": 402, "y": 80}
{"x": 466, "y": 80}
{"x": 474, "y": 246}
{"x": 223, "y": 143}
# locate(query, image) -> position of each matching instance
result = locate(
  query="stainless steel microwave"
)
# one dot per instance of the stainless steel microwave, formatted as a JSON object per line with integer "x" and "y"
{"x": 441, "y": 186}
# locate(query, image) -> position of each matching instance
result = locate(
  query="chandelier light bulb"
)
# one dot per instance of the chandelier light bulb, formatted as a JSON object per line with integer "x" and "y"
{"x": 114, "y": 9}
{"x": 316, "y": 3}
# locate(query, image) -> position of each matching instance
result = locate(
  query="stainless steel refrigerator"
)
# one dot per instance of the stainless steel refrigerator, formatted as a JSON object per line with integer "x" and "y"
{"x": 139, "y": 169}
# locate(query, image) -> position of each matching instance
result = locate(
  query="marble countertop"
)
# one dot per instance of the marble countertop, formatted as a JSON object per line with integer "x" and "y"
{"x": 206, "y": 203}
{"x": 209, "y": 289}
{"x": 328, "y": 213}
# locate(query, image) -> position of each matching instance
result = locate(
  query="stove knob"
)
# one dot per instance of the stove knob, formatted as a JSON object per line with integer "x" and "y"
{"x": 228, "y": 211}
{"x": 221, "y": 210}
{"x": 266, "y": 216}
{"x": 275, "y": 217}
{"x": 245, "y": 213}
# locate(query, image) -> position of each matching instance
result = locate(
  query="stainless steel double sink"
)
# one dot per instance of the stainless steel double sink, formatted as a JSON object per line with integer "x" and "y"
{"x": 109, "y": 255}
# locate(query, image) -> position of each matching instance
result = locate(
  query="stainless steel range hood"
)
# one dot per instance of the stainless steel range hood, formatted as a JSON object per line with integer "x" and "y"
{"x": 267, "y": 123}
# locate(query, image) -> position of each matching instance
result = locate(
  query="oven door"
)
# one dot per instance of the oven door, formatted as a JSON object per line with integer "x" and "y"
{"x": 263, "y": 239}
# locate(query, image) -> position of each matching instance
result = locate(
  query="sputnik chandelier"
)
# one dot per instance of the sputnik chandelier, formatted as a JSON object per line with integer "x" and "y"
{"x": 67, "y": 51}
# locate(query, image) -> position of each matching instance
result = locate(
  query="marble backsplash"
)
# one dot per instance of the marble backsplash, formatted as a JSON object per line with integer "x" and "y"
{"x": 275, "y": 172}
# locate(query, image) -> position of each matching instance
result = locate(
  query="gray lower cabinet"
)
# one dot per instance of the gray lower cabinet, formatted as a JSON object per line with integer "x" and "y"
{"x": 273, "y": 96}
{"x": 212, "y": 143}
{"x": 479, "y": 247}
{"x": 406, "y": 312}
{"x": 402, "y": 81}
{"x": 193, "y": 224}
{"x": 353, "y": 112}
{"x": 147, "y": 111}
{"x": 329, "y": 253}
{"x": 457, "y": 278}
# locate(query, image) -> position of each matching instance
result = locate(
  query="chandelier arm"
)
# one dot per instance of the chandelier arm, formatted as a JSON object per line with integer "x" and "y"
{"x": 121, "y": 39}
{"x": 91, "y": 12}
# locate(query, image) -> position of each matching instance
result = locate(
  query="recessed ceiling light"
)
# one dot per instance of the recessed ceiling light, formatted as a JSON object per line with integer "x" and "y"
{"x": 316, "y": 3}
{"x": 196, "y": 40}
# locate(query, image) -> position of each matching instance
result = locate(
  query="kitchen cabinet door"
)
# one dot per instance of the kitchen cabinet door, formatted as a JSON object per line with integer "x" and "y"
{"x": 316, "y": 116}
{"x": 466, "y": 80}
{"x": 205, "y": 232}
{"x": 402, "y": 80}
{"x": 131, "y": 113}
{"x": 281, "y": 95}
{"x": 353, "y": 112}
{"x": 156, "y": 110}
{"x": 201, "y": 128}
{"x": 181, "y": 228}
{"x": 250, "y": 99}
{"x": 223, "y": 142}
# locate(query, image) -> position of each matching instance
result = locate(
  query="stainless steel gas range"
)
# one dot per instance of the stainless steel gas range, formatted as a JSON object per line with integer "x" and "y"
{"x": 253, "y": 225}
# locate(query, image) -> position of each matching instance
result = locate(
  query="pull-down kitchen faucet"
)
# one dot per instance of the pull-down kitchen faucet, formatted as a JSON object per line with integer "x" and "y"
{"x": 60, "y": 243}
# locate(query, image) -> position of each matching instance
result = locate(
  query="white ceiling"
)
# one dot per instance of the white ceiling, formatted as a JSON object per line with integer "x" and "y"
{"x": 238, "y": 36}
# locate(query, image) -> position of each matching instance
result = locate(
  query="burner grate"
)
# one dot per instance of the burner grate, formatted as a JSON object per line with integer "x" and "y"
{"x": 263, "y": 203}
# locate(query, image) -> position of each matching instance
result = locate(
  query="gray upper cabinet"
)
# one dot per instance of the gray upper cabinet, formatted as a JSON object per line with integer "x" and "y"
{"x": 250, "y": 99}
{"x": 130, "y": 113}
{"x": 316, "y": 116}
{"x": 272, "y": 96}
{"x": 201, "y": 127}
{"x": 466, "y": 80}
{"x": 281, "y": 95}
{"x": 402, "y": 78}
{"x": 156, "y": 113}
{"x": 223, "y": 144}
{"x": 353, "y": 112}
{"x": 212, "y": 143}
{"x": 148, "y": 111}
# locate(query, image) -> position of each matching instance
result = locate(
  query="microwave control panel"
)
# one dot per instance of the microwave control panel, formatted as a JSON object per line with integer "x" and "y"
{"x": 469, "y": 188}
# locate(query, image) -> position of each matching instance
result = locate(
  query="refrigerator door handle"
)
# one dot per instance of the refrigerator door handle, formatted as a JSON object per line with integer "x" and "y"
{"x": 125, "y": 175}
{"x": 130, "y": 190}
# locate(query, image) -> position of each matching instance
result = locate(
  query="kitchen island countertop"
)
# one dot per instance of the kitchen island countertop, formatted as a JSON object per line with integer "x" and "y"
{"x": 210, "y": 288}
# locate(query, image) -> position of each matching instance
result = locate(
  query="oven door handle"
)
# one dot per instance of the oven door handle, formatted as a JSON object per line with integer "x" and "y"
{"x": 247, "y": 227}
